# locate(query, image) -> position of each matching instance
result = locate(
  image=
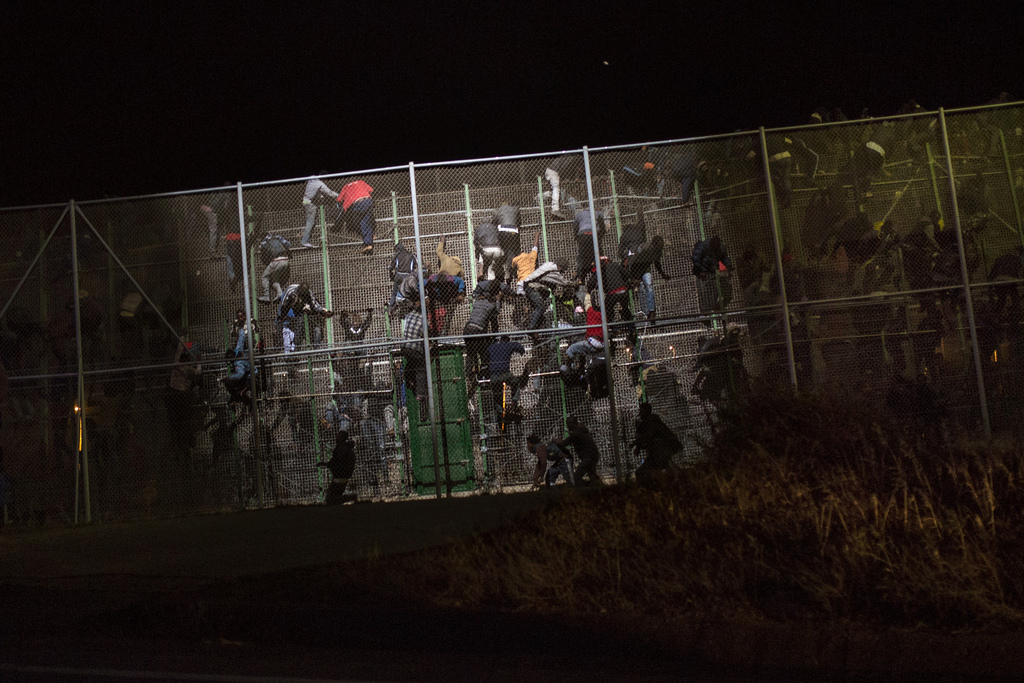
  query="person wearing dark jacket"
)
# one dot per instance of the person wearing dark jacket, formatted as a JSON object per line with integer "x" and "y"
{"x": 483, "y": 319}
{"x": 552, "y": 462}
{"x": 633, "y": 235}
{"x": 506, "y": 217}
{"x": 499, "y": 357}
{"x": 275, "y": 252}
{"x": 709, "y": 258}
{"x": 616, "y": 291}
{"x": 403, "y": 264}
{"x": 538, "y": 286}
{"x": 296, "y": 300}
{"x": 585, "y": 226}
{"x": 1006, "y": 270}
{"x": 351, "y": 367}
{"x": 657, "y": 439}
{"x": 442, "y": 291}
{"x": 638, "y": 265}
{"x": 587, "y": 453}
{"x": 869, "y": 157}
{"x": 487, "y": 245}
{"x": 342, "y": 464}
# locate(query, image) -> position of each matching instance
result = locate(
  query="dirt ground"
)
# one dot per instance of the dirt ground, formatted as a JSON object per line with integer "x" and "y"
{"x": 209, "y": 596}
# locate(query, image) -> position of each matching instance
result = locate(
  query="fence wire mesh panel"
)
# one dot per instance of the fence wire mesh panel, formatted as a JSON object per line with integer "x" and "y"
{"x": 590, "y": 316}
{"x": 987, "y": 150}
{"x": 38, "y": 351}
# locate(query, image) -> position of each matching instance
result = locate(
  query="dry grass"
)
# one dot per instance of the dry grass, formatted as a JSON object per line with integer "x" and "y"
{"x": 814, "y": 508}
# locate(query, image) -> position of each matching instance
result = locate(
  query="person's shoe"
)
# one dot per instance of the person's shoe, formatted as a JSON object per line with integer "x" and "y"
{"x": 368, "y": 249}
{"x": 558, "y": 214}
{"x": 307, "y": 245}
{"x": 263, "y": 299}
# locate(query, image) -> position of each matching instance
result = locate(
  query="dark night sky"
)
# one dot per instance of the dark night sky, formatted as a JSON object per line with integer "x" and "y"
{"x": 117, "y": 99}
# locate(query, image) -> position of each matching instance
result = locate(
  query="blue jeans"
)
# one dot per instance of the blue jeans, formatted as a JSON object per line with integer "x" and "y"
{"x": 563, "y": 468}
{"x": 359, "y": 216}
{"x": 233, "y": 257}
{"x": 647, "y": 293}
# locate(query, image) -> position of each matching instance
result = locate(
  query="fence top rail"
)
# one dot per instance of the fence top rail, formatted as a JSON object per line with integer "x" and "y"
{"x": 675, "y": 141}
{"x": 483, "y": 160}
{"x": 514, "y": 157}
{"x": 923, "y": 113}
{"x": 32, "y": 207}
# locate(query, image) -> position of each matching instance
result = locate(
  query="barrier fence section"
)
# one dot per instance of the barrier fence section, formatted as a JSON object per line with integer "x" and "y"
{"x": 402, "y": 331}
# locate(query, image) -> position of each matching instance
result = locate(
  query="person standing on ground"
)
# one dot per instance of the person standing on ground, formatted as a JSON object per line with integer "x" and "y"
{"x": 552, "y": 462}
{"x": 587, "y": 453}
{"x": 655, "y": 437}
{"x": 341, "y": 465}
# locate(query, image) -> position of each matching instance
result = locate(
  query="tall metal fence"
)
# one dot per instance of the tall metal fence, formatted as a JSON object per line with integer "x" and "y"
{"x": 881, "y": 257}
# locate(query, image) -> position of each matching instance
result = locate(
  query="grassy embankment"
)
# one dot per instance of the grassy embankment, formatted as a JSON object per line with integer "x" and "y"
{"x": 808, "y": 508}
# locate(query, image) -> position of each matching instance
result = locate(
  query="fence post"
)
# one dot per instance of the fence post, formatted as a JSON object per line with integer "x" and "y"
{"x": 773, "y": 217}
{"x": 935, "y": 182}
{"x": 328, "y": 326}
{"x": 246, "y": 289}
{"x": 554, "y": 307}
{"x": 604, "y": 322}
{"x": 83, "y": 441}
{"x": 472, "y": 249}
{"x": 975, "y": 348}
{"x": 426, "y": 331}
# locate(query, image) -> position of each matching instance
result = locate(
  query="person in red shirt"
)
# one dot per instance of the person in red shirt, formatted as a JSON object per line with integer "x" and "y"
{"x": 357, "y": 211}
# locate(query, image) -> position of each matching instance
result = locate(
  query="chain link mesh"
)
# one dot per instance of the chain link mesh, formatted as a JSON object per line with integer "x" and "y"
{"x": 829, "y": 254}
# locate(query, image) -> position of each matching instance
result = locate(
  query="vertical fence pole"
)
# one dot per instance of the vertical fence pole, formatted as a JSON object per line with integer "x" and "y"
{"x": 604, "y": 322}
{"x": 83, "y": 440}
{"x": 328, "y": 324}
{"x": 472, "y": 249}
{"x": 774, "y": 218}
{"x": 935, "y": 182}
{"x": 975, "y": 348}
{"x": 558, "y": 345}
{"x": 426, "y": 331}
{"x": 246, "y": 289}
